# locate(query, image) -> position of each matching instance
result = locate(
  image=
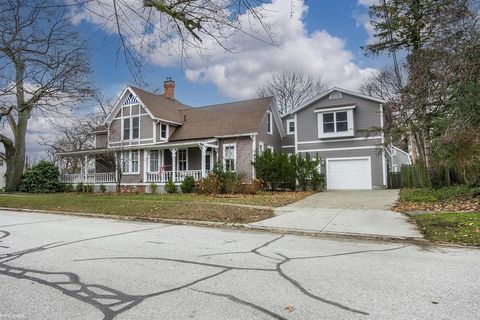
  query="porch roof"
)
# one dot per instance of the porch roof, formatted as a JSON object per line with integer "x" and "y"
{"x": 213, "y": 143}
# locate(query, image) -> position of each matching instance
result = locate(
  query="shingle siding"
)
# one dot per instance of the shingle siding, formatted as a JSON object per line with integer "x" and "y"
{"x": 244, "y": 153}
{"x": 274, "y": 140}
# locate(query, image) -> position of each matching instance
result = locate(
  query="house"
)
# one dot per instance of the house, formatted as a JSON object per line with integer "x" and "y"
{"x": 150, "y": 138}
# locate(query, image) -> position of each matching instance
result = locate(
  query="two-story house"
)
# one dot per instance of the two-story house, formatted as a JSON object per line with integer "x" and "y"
{"x": 150, "y": 138}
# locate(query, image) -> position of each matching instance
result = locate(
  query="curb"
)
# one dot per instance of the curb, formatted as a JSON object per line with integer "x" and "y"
{"x": 252, "y": 228}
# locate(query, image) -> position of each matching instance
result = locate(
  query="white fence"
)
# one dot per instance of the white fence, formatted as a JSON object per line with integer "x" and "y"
{"x": 164, "y": 176}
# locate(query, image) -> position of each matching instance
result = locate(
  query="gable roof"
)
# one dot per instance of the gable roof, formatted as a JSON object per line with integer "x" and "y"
{"x": 160, "y": 106}
{"x": 326, "y": 93}
{"x": 235, "y": 118}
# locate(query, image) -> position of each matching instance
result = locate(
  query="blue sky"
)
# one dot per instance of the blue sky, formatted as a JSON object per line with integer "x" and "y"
{"x": 339, "y": 19}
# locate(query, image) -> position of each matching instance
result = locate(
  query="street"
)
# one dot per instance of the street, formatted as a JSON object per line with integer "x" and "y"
{"x": 68, "y": 267}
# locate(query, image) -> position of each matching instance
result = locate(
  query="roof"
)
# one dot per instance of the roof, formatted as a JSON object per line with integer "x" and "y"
{"x": 326, "y": 93}
{"x": 160, "y": 106}
{"x": 235, "y": 118}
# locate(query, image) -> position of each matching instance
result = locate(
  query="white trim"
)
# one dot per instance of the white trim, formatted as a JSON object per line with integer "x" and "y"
{"x": 340, "y": 140}
{"x": 324, "y": 94}
{"x": 254, "y": 152}
{"x": 350, "y": 125}
{"x": 384, "y": 159}
{"x": 271, "y": 148}
{"x": 288, "y": 126}
{"x": 296, "y": 133}
{"x": 261, "y": 147}
{"x": 167, "y": 132}
{"x": 289, "y": 146}
{"x": 269, "y": 119}
{"x": 339, "y": 108}
{"x": 338, "y": 149}
{"x": 237, "y": 135}
{"x": 234, "y": 154}
{"x": 178, "y": 158}
{"x": 369, "y": 158}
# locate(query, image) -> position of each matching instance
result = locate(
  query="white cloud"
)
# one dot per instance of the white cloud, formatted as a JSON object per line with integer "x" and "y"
{"x": 253, "y": 62}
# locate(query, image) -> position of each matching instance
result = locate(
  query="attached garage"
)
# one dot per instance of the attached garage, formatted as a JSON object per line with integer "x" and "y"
{"x": 349, "y": 173}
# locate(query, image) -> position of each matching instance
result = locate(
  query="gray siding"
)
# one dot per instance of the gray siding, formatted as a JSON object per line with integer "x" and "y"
{"x": 115, "y": 128}
{"x": 101, "y": 140}
{"x": 274, "y": 139}
{"x": 146, "y": 127}
{"x": 366, "y": 115}
{"x": 329, "y": 144}
{"x": 244, "y": 153}
{"x": 289, "y": 139}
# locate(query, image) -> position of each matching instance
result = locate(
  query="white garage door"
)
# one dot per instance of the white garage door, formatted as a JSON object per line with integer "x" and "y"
{"x": 349, "y": 173}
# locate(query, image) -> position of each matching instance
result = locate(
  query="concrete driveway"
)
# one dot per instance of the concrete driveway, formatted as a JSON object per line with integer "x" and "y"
{"x": 345, "y": 212}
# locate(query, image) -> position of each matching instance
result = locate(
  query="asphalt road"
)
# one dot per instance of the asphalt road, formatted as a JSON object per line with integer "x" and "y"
{"x": 65, "y": 267}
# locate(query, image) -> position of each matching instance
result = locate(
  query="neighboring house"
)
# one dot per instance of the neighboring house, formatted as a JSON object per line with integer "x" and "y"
{"x": 157, "y": 138}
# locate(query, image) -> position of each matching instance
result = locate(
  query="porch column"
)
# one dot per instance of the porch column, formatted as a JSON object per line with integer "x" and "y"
{"x": 254, "y": 152}
{"x": 145, "y": 164}
{"x": 174, "y": 163}
{"x": 85, "y": 160}
{"x": 203, "y": 148}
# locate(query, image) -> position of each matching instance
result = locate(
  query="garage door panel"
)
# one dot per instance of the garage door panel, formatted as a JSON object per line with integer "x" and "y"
{"x": 349, "y": 174}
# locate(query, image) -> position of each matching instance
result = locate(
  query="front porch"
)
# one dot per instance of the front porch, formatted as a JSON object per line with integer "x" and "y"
{"x": 139, "y": 166}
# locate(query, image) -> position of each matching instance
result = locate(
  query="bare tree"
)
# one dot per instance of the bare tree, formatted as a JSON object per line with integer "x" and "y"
{"x": 292, "y": 89}
{"x": 181, "y": 27}
{"x": 43, "y": 67}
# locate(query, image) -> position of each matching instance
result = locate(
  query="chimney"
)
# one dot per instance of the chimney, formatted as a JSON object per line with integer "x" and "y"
{"x": 169, "y": 88}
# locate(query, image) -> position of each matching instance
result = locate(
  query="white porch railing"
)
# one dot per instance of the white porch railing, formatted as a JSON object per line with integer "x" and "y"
{"x": 164, "y": 176}
{"x": 107, "y": 177}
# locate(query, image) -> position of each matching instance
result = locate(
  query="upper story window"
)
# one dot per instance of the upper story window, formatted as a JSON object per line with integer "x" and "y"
{"x": 291, "y": 126}
{"x": 131, "y": 99}
{"x": 269, "y": 122}
{"x": 131, "y": 128}
{"x": 163, "y": 131}
{"x": 335, "y": 122}
{"x": 335, "y": 95}
{"x": 229, "y": 156}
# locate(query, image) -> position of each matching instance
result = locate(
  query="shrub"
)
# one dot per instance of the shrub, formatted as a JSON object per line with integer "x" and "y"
{"x": 441, "y": 194}
{"x": 79, "y": 187}
{"x": 221, "y": 181}
{"x": 208, "y": 185}
{"x": 103, "y": 188}
{"x": 89, "y": 188}
{"x": 188, "y": 185}
{"x": 170, "y": 187}
{"x": 42, "y": 177}
{"x": 318, "y": 181}
{"x": 153, "y": 187}
{"x": 68, "y": 187}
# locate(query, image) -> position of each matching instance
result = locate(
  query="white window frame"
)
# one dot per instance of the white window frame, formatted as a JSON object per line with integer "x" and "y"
{"x": 128, "y": 164}
{"x": 272, "y": 150}
{"x": 130, "y": 117}
{"x": 178, "y": 159}
{"x": 166, "y": 131}
{"x": 350, "y": 123}
{"x": 150, "y": 161}
{"x": 234, "y": 145}
{"x": 261, "y": 147}
{"x": 269, "y": 122}
{"x": 288, "y": 126}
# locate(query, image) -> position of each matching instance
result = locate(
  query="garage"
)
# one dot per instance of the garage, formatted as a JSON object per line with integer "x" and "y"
{"x": 349, "y": 173}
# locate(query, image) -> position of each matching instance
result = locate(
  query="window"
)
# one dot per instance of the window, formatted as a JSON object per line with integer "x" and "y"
{"x": 1, "y": 162}
{"x": 291, "y": 126}
{"x": 135, "y": 127}
{"x": 335, "y": 123}
{"x": 269, "y": 122}
{"x": 163, "y": 131}
{"x": 153, "y": 163}
{"x": 229, "y": 156}
{"x": 126, "y": 129}
{"x": 131, "y": 128}
{"x": 261, "y": 147}
{"x": 130, "y": 161}
{"x": 134, "y": 165}
{"x": 182, "y": 160}
{"x": 208, "y": 161}
{"x": 335, "y": 95}
{"x": 270, "y": 148}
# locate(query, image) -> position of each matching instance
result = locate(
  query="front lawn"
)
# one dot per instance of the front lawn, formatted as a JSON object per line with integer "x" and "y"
{"x": 167, "y": 206}
{"x": 463, "y": 228}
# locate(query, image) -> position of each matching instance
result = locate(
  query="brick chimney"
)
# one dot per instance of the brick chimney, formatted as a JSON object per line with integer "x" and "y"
{"x": 169, "y": 88}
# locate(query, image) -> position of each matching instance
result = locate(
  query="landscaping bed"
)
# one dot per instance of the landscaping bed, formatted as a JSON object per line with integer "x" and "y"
{"x": 447, "y": 214}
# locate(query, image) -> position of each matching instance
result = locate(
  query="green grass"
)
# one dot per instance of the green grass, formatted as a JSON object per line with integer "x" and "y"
{"x": 462, "y": 228}
{"x": 436, "y": 195}
{"x": 188, "y": 207}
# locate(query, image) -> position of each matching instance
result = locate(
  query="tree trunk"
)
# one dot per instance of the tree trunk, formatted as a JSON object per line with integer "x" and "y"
{"x": 15, "y": 158}
{"x": 428, "y": 152}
